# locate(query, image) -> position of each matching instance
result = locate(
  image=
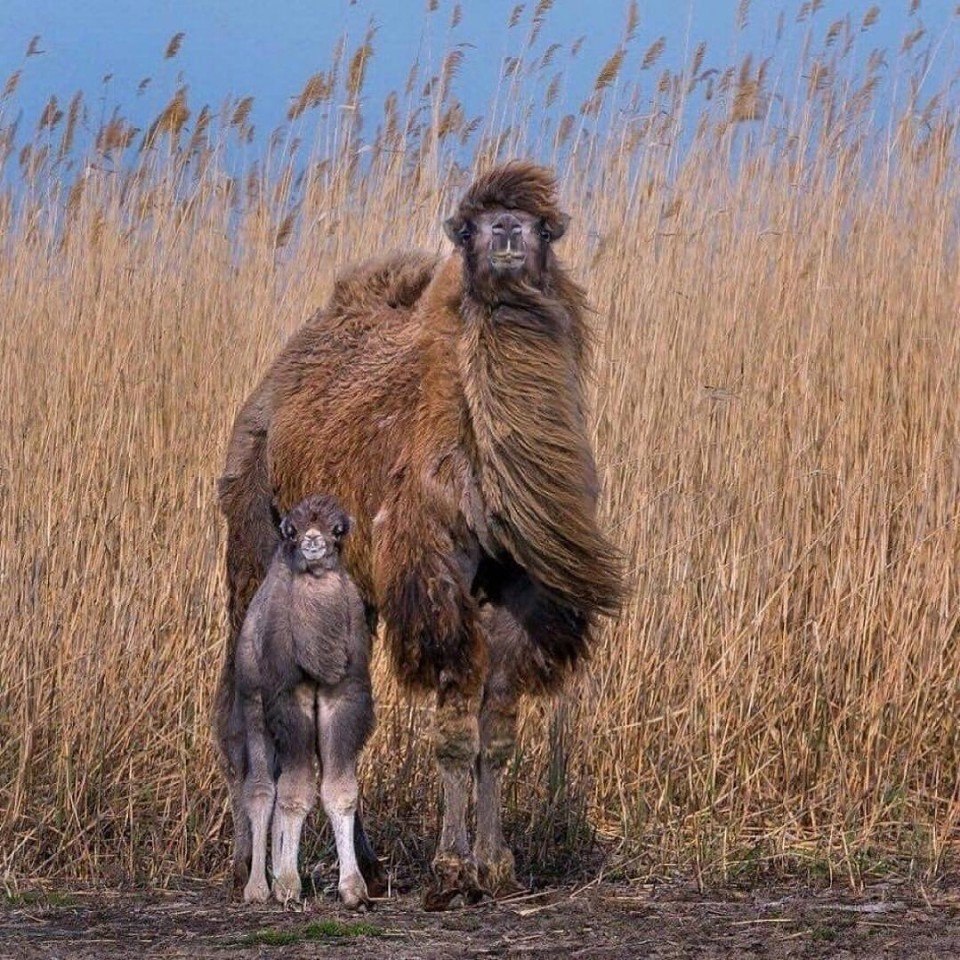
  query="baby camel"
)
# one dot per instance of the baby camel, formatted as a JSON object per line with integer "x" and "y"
{"x": 302, "y": 693}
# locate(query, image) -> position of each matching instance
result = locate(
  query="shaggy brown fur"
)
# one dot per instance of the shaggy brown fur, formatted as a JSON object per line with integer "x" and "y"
{"x": 443, "y": 403}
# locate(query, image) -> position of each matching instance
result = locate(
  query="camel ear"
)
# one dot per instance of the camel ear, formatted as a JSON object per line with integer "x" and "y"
{"x": 559, "y": 226}
{"x": 453, "y": 228}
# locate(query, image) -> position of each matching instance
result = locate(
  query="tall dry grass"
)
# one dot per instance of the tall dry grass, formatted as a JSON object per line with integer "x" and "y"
{"x": 775, "y": 274}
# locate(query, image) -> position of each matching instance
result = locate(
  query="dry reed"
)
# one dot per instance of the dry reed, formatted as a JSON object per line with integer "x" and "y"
{"x": 778, "y": 427}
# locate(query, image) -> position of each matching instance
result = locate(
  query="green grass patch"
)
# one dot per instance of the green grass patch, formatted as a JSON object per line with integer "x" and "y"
{"x": 33, "y": 898}
{"x": 319, "y": 930}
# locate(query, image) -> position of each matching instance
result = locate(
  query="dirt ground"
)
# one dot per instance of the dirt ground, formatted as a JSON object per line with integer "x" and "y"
{"x": 598, "y": 920}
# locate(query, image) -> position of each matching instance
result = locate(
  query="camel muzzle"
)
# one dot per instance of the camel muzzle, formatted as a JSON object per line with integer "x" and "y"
{"x": 506, "y": 245}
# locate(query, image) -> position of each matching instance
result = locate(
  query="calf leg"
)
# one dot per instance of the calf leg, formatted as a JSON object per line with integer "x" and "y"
{"x": 292, "y": 724}
{"x": 242, "y": 835}
{"x": 344, "y": 721}
{"x": 370, "y": 866}
{"x": 258, "y": 795}
{"x": 231, "y": 741}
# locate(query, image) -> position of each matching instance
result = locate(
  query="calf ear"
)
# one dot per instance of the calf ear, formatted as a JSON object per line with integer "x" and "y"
{"x": 452, "y": 227}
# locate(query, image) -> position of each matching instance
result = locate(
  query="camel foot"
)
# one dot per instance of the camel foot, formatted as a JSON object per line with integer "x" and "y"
{"x": 498, "y": 875}
{"x": 353, "y": 892}
{"x": 454, "y": 878}
{"x": 375, "y": 877}
{"x": 287, "y": 887}
{"x": 256, "y": 891}
{"x": 241, "y": 874}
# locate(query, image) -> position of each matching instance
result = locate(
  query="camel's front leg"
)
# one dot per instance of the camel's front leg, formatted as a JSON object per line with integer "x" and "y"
{"x": 507, "y": 645}
{"x": 292, "y": 715}
{"x": 456, "y": 742}
{"x": 344, "y": 720}
{"x": 498, "y": 724}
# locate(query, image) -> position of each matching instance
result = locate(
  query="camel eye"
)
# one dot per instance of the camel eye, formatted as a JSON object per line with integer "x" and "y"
{"x": 465, "y": 232}
{"x": 287, "y": 529}
{"x": 545, "y": 234}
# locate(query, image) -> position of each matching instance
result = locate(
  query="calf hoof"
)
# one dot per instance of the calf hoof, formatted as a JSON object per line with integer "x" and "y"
{"x": 353, "y": 892}
{"x": 286, "y": 887}
{"x": 497, "y": 874}
{"x": 241, "y": 874}
{"x": 454, "y": 878}
{"x": 375, "y": 877}
{"x": 256, "y": 891}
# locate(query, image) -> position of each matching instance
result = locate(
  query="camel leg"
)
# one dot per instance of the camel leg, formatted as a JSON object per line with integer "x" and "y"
{"x": 242, "y": 835}
{"x": 371, "y": 868}
{"x": 344, "y": 720}
{"x": 456, "y": 743}
{"x": 231, "y": 737}
{"x": 258, "y": 795}
{"x": 296, "y": 795}
{"x": 293, "y": 717}
{"x": 498, "y": 724}
{"x": 498, "y": 733}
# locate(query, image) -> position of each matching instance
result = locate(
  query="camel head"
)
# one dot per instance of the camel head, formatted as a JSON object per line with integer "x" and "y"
{"x": 313, "y": 532}
{"x": 504, "y": 228}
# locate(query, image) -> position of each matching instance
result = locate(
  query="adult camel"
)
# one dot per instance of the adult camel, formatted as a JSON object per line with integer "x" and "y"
{"x": 442, "y": 401}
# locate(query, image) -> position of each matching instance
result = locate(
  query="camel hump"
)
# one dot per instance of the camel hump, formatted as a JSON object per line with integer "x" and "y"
{"x": 396, "y": 280}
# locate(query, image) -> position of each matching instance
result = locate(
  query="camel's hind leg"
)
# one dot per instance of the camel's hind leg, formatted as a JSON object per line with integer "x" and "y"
{"x": 258, "y": 795}
{"x": 231, "y": 739}
{"x": 371, "y": 868}
{"x": 292, "y": 722}
{"x": 498, "y": 723}
{"x": 344, "y": 721}
{"x": 242, "y": 835}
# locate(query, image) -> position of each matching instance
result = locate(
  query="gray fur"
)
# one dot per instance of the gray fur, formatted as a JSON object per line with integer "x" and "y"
{"x": 302, "y": 700}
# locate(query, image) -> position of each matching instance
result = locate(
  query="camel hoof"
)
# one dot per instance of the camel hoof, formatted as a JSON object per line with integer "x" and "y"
{"x": 453, "y": 878}
{"x": 256, "y": 892}
{"x": 241, "y": 874}
{"x": 353, "y": 892}
{"x": 375, "y": 877}
{"x": 287, "y": 888}
{"x": 497, "y": 874}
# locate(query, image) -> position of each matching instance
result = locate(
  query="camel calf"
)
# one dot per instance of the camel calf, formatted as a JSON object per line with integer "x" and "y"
{"x": 302, "y": 694}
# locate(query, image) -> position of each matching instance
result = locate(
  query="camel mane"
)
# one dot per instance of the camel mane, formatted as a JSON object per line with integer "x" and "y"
{"x": 516, "y": 185}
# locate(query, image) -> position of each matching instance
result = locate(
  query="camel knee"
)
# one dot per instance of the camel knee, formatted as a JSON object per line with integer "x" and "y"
{"x": 455, "y": 732}
{"x": 258, "y": 794}
{"x": 498, "y": 734}
{"x": 297, "y": 793}
{"x": 339, "y": 795}
{"x": 497, "y": 751}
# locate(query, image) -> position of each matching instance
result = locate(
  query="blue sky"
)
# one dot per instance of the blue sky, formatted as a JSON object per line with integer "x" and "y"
{"x": 268, "y": 50}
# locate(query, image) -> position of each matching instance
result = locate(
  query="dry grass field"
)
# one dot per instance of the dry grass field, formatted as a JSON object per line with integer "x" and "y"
{"x": 775, "y": 271}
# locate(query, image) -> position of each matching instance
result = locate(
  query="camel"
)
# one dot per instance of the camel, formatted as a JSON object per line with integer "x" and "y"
{"x": 442, "y": 400}
{"x": 302, "y": 695}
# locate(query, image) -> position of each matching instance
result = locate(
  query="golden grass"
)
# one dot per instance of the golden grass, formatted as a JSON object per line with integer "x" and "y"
{"x": 778, "y": 425}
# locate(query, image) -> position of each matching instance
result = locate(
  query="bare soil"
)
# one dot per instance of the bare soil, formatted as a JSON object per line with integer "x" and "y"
{"x": 599, "y": 920}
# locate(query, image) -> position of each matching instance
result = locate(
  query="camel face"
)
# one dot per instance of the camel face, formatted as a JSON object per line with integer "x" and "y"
{"x": 503, "y": 246}
{"x": 315, "y": 530}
